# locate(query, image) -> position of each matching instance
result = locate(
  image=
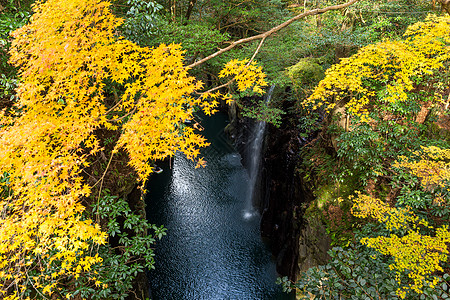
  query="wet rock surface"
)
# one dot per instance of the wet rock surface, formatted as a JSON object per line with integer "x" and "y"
{"x": 282, "y": 196}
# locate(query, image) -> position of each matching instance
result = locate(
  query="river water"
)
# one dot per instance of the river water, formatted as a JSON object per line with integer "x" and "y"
{"x": 211, "y": 251}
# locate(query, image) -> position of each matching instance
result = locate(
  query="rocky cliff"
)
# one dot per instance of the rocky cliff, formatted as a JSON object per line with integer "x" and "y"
{"x": 282, "y": 196}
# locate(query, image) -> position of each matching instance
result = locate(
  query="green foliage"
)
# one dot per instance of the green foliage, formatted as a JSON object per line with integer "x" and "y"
{"x": 140, "y": 21}
{"x": 419, "y": 250}
{"x": 388, "y": 19}
{"x": 11, "y": 18}
{"x": 7, "y": 85}
{"x": 129, "y": 254}
{"x": 367, "y": 152}
{"x": 366, "y": 22}
{"x": 306, "y": 73}
{"x": 198, "y": 39}
{"x": 351, "y": 274}
{"x": 263, "y": 112}
{"x": 358, "y": 272}
{"x": 423, "y": 183}
{"x": 279, "y": 52}
{"x": 240, "y": 18}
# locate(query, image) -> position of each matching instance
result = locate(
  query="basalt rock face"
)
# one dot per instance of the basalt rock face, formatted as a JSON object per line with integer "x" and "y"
{"x": 282, "y": 196}
{"x": 278, "y": 190}
{"x": 297, "y": 241}
{"x": 313, "y": 244}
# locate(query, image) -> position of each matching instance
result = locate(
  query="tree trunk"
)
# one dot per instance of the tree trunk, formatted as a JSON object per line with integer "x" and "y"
{"x": 445, "y": 4}
{"x": 189, "y": 10}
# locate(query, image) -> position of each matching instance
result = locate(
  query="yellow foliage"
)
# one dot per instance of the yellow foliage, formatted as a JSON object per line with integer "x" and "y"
{"x": 385, "y": 70}
{"x": 419, "y": 255}
{"x": 247, "y": 75}
{"x": 414, "y": 253}
{"x": 393, "y": 218}
{"x": 164, "y": 101}
{"x": 430, "y": 164}
{"x": 65, "y": 55}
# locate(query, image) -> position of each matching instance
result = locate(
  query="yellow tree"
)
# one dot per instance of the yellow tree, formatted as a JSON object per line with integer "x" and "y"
{"x": 372, "y": 83}
{"x": 384, "y": 73}
{"x": 66, "y": 55}
{"x": 418, "y": 255}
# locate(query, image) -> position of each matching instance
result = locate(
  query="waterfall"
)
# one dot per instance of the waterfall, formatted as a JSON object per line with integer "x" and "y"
{"x": 254, "y": 152}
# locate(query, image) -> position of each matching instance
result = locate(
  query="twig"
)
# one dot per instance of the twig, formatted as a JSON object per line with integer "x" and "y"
{"x": 112, "y": 108}
{"x": 101, "y": 184}
{"x": 124, "y": 116}
{"x": 218, "y": 87}
{"x": 256, "y": 51}
{"x": 448, "y": 102}
{"x": 88, "y": 174}
{"x": 26, "y": 272}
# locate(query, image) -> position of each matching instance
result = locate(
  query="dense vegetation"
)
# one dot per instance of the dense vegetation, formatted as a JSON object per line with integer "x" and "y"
{"x": 387, "y": 123}
{"x": 93, "y": 93}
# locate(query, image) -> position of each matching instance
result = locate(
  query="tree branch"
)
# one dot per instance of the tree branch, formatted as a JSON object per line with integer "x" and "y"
{"x": 313, "y": 12}
{"x": 189, "y": 11}
{"x": 232, "y": 80}
{"x": 256, "y": 51}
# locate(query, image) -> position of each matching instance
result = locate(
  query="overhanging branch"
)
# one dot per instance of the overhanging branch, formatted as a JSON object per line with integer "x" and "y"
{"x": 264, "y": 35}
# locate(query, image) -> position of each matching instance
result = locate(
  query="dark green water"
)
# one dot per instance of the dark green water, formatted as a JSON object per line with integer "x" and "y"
{"x": 211, "y": 250}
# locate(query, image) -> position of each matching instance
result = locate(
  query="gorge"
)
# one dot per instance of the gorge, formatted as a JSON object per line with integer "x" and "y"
{"x": 213, "y": 249}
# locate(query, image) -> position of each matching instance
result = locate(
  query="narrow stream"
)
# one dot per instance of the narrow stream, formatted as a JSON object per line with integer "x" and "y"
{"x": 211, "y": 250}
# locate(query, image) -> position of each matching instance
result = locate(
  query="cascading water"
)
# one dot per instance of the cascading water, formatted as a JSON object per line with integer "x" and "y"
{"x": 254, "y": 153}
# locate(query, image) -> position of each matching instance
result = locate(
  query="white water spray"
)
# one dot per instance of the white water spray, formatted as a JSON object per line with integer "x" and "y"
{"x": 254, "y": 153}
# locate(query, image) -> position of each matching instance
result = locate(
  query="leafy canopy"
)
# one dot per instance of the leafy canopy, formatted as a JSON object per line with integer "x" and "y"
{"x": 67, "y": 54}
{"x": 385, "y": 72}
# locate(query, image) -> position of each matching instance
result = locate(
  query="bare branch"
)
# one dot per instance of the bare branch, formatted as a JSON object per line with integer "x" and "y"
{"x": 218, "y": 87}
{"x": 256, "y": 51}
{"x": 273, "y": 30}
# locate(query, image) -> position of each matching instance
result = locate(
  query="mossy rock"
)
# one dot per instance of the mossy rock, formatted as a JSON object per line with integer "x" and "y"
{"x": 307, "y": 71}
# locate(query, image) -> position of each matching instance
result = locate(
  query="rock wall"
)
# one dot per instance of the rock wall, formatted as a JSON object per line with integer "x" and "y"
{"x": 297, "y": 241}
{"x": 313, "y": 244}
{"x": 282, "y": 196}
